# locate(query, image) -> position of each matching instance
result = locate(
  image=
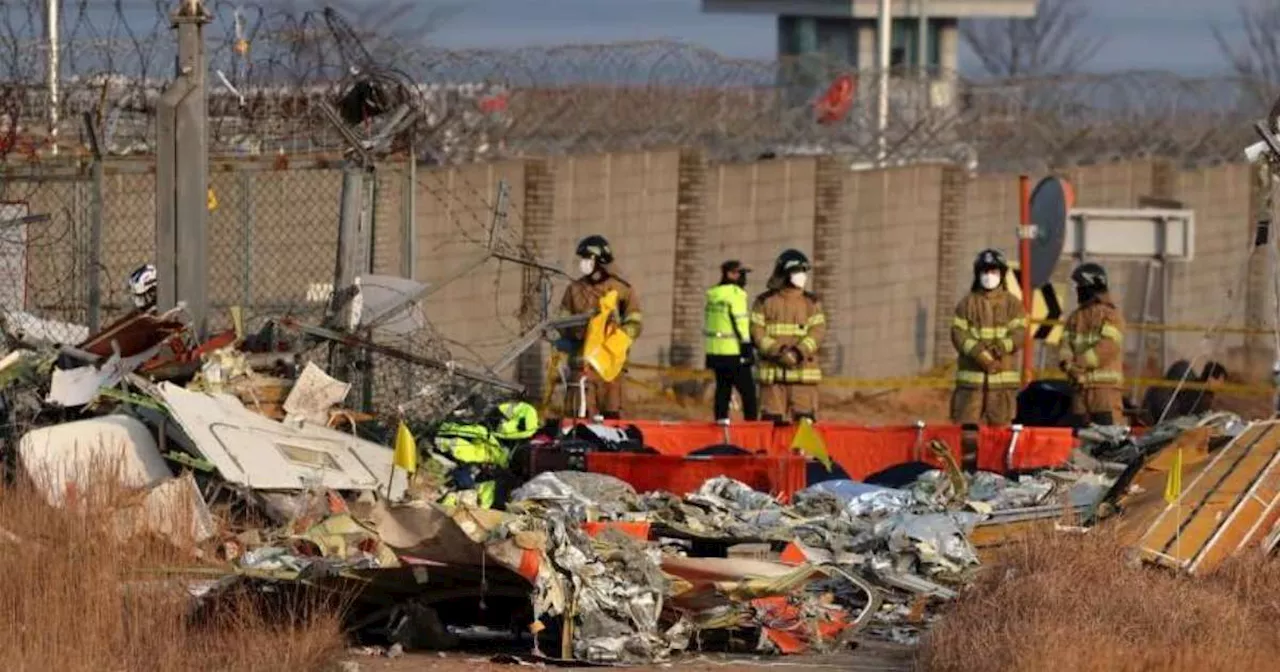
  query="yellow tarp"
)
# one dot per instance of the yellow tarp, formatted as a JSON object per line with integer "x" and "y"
{"x": 606, "y": 345}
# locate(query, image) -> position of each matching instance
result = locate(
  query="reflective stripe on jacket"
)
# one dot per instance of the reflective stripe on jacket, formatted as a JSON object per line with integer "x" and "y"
{"x": 993, "y": 321}
{"x": 470, "y": 444}
{"x": 784, "y": 318}
{"x": 1093, "y": 343}
{"x": 725, "y": 320}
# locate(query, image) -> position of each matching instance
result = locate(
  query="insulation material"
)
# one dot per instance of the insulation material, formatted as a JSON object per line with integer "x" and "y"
{"x": 70, "y": 457}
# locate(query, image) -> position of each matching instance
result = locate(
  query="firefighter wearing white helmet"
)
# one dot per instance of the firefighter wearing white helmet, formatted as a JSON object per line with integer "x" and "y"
{"x": 142, "y": 287}
{"x": 987, "y": 330}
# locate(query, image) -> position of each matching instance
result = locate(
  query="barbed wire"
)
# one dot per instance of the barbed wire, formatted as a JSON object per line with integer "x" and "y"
{"x": 271, "y": 64}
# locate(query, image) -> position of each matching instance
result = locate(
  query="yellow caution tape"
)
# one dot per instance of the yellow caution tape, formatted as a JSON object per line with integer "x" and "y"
{"x": 1194, "y": 328}
{"x": 947, "y": 382}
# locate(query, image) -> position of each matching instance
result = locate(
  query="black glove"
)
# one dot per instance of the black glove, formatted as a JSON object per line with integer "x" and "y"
{"x": 747, "y": 352}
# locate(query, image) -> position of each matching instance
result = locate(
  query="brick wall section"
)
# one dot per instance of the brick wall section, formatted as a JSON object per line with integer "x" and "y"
{"x": 757, "y": 210}
{"x": 630, "y": 198}
{"x": 477, "y": 314}
{"x": 539, "y": 224}
{"x": 1210, "y": 288}
{"x": 830, "y": 265}
{"x": 892, "y": 282}
{"x": 952, "y": 220}
{"x": 690, "y": 259}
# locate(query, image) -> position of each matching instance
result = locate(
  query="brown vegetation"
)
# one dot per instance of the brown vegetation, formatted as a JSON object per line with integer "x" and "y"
{"x": 1074, "y": 603}
{"x": 75, "y": 597}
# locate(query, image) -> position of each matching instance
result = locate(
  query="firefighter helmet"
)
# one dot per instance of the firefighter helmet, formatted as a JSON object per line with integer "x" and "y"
{"x": 990, "y": 259}
{"x": 791, "y": 261}
{"x": 1090, "y": 276}
{"x": 595, "y": 247}
{"x": 142, "y": 285}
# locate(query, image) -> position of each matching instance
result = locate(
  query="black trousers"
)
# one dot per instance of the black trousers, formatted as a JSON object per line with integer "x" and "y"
{"x": 735, "y": 376}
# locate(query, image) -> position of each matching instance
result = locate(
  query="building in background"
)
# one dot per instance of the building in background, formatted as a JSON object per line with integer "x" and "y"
{"x": 817, "y": 35}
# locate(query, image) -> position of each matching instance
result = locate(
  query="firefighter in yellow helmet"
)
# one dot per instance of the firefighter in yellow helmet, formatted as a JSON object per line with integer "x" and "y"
{"x": 787, "y": 327}
{"x": 728, "y": 341}
{"x": 987, "y": 330}
{"x": 583, "y": 296}
{"x": 1092, "y": 350}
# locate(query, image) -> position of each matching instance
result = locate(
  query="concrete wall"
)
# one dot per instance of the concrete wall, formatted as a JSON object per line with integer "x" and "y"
{"x": 892, "y": 248}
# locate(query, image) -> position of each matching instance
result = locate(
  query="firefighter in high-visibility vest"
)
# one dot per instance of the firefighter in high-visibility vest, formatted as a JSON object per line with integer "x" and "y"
{"x": 987, "y": 330}
{"x": 1092, "y": 350}
{"x": 583, "y": 295}
{"x": 476, "y": 455}
{"x": 787, "y": 327}
{"x": 728, "y": 347}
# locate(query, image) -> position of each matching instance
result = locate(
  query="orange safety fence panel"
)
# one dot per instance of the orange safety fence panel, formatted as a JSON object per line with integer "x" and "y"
{"x": 681, "y": 438}
{"x": 1037, "y": 448}
{"x": 777, "y": 475}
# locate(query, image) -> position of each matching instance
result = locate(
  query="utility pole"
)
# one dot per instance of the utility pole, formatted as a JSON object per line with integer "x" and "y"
{"x": 52, "y": 22}
{"x": 922, "y": 40}
{"x": 882, "y": 116}
{"x": 182, "y": 174}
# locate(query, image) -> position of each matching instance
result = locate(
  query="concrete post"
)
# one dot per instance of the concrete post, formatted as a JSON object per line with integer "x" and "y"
{"x": 182, "y": 166}
{"x": 539, "y": 228}
{"x": 830, "y": 264}
{"x": 952, "y": 211}
{"x": 691, "y": 259}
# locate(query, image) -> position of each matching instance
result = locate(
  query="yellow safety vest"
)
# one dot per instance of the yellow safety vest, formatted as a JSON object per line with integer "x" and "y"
{"x": 725, "y": 320}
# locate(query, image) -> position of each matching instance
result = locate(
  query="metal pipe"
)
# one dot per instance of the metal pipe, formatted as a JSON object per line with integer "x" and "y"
{"x": 884, "y": 35}
{"x": 922, "y": 39}
{"x": 52, "y": 22}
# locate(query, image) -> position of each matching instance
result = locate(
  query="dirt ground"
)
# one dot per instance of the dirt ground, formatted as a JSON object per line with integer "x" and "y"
{"x": 866, "y": 657}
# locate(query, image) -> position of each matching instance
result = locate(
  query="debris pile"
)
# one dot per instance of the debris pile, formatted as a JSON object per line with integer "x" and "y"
{"x": 239, "y": 448}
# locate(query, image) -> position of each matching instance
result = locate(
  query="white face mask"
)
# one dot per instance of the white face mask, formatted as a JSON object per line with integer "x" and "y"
{"x": 587, "y": 266}
{"x": 798, "y": 279}
{"x": 989, "y": 280}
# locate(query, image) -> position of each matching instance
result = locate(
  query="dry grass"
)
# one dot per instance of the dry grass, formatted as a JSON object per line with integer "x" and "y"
{"x": 75, "y": 597}
{"x": 1072, "y": 603}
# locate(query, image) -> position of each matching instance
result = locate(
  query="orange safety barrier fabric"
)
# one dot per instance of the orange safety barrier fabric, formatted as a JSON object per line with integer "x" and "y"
{"x": 780, "y": 475}
{"x": 862, "y": 451}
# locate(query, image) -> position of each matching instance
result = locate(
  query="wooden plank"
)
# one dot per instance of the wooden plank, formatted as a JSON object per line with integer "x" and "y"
{"x": 1232, "y": 503}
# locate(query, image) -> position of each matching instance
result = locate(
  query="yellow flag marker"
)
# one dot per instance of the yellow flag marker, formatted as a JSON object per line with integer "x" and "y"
{"x": 406, "y": 454}
{"x": 1173, "y": 486}
{"x": 809, "y": 442}
{"x": 212, "y": 199}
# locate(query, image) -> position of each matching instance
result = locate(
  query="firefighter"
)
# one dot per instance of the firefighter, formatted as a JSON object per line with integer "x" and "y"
{"x": 142, "y": 287}
{"x": 987, "y": 330}
{"x": 1092, "y": 350}
{"x": 583, "y": 296}
{"x": 787, "y": 326}
{"x": 728, "y": 346}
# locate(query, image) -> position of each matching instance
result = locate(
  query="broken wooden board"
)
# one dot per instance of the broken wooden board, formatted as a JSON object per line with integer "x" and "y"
{"x": 1231, "y": 505}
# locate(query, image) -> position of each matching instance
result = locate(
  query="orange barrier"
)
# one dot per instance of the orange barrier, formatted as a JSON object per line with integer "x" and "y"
{"x": 863, "y": 451}
{"x": 780, "y": 475}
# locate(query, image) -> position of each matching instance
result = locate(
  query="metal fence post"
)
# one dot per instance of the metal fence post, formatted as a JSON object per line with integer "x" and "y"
{"x": 409, "y": 229}
{"x": 94, "y": 270}
{"x": 246, "y": 237}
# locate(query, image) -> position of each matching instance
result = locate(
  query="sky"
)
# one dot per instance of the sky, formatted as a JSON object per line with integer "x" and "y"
{"x": 1141, "y": 34}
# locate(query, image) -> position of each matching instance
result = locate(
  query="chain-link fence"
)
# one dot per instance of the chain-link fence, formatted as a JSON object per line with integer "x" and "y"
{"x": 271, "y": 65}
